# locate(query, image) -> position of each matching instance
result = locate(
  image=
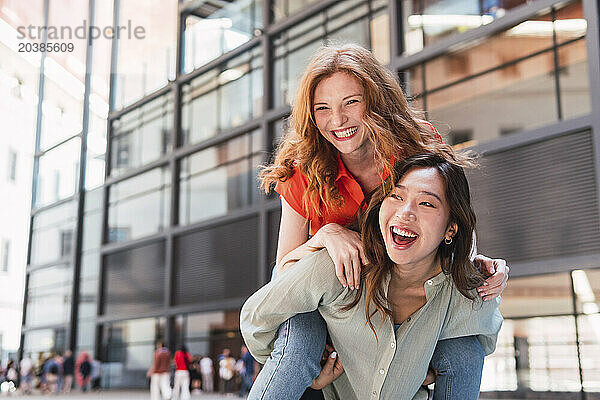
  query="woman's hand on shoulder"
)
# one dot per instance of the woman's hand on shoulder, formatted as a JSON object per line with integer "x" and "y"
{"x": 495, "y": 284}
{"x": 346, "y": 250}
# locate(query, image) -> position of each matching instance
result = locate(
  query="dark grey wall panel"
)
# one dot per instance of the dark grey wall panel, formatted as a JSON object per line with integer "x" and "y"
{"x": 538, "y": 201}
{"x": 135, "y": 280}
{"x": 218, "y": 263}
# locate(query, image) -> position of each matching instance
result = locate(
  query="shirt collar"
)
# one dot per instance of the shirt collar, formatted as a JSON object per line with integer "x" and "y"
{"x": 431, "y": 285}
{"x": 344, "y": 173}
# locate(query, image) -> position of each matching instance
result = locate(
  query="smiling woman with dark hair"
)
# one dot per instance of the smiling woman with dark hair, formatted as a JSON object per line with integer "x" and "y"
{"x": 417, "y": 288}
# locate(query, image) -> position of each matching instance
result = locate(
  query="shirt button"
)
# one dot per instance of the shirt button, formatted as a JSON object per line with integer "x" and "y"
{"x": 408, "y": 319}
{"x": 374, "y": 393}
{"x": 429, "y": 282}
{"x": 382, "y": 371}
{"x": 393, "y": 344}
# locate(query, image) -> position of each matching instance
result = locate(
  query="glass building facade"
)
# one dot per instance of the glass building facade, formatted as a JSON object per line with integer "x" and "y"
{"x": 147, "y": 221}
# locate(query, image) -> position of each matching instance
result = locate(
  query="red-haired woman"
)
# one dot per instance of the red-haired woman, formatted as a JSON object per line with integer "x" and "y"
{"x": 350, "y": 123}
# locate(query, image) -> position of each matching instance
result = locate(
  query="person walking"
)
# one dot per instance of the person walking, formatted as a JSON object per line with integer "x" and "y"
{"x": 181, "y": 383}
{"x": 226, "y": 371}
{"x": 160, "y": 384}
{"x": 68, "y": 371}
{"x": 85, "y": 369}
{"x": 95, "y": 374}
{"x": 247, "y": 372}
{"x": 207, "y": 372}
{"x": 26, "y": 374}
{"x": 51, "y": 373}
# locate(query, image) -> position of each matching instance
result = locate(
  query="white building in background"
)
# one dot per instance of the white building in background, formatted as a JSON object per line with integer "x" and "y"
{"x": 19, "y": 77}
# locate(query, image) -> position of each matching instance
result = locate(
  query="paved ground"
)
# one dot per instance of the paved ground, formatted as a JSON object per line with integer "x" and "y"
{"x": 115, "y": 395}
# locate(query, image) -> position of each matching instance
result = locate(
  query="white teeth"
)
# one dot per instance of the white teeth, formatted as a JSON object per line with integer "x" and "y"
{"x": 346, "y": 132}
{"x": 403, "y": 232}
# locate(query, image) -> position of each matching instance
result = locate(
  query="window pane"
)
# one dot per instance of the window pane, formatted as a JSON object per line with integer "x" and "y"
{"x": 142, "y": 135}
{"x": 499, "y": 102}
{"x": 428, "y": 21}
{"x": 58, "y": 173}
{"x": 139, "y": 206}
{"x": 569, "y": 22}
{"x": 98, "y": 107}
{"x": 62, "y": 110}
{"x": 218, "y": 179}
{"x": 44, "y": 340}
{"x": 539, "y": 295}
{"x": 587, "y": 290}
{"x": 208, "y": 333}
{"x": 49, "y": 296}
{"x": 574, "y": 79}
{"x": 217, "y": 28}
{"x": 486, "y": 55}
{"x": 129, "y": 350}
{"x": 589, "y": 339}
{"x": 223, "y": 98}
{"x": 51, "y": 234}
{"x": 284, "y": 8}
{"x": 543, "y": 357}
{"x": 147, "y": 48}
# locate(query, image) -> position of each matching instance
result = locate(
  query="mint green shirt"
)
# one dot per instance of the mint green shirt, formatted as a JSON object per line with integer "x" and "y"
{"x": 392, "y": 367}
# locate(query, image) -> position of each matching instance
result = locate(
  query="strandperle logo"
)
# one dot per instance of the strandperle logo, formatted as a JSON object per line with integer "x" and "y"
{"x": 82, "y": 31}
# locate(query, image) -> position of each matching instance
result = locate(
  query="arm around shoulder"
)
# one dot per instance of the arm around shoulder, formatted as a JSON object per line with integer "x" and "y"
{"x": 311, "y": 283}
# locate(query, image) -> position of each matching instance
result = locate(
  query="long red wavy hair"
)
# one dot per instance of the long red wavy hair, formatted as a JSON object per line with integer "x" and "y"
{"x": 393, "y": 128}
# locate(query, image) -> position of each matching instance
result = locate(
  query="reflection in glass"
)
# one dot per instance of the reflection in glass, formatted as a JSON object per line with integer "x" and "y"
{"x": 574, "y": 79}
{"x": 44, "y": 340}
{"x": 219, "y": 179}
{"x": 58, "y": 173}
{"x": 482, "y": 104}
{"x": 142, "y": 135}
{"x": 129, "y": 350}
{"x": 223, "y": 98}
{"x": 362, "y": 22}
{"x": 209, "y": 333}
{"x": 49, "y": 295}
{"x": 215, "y": 29}
{"x": 428, "y": 21}
{"x": 537, "y": 296}
{"x": 146, "y": 60}
{"x": 62, "y": 109}
{"x": 544, "y": 357}
{"x": 139, "y": 206}
{"x": 98, "y": 105}
{"x": 589, "y": 339}
{"x": 52, "y": 234}
{"x": 285, "y": 8}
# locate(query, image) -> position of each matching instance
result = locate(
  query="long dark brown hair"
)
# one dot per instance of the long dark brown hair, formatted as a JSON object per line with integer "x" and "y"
{"x": 454, "y": 258}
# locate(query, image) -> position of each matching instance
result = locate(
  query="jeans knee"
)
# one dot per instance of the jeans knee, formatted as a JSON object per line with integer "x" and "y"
{"x": 456, "y": 356}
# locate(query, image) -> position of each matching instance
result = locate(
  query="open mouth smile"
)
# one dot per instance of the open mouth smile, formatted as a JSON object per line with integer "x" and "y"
{"x": 403, "y": 237}
{"x": 344, "y": 134}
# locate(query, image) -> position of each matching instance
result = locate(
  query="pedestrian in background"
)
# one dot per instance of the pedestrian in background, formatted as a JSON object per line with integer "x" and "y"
{"x": 195, "y": 377}
{"x": 85, "y": 370}
{"x": 68, "y": 371}
{"x": 246, "y": 372}
{"x": 51, "y": 373}
{"x": 207, "y": 372}
{"x": 181, "y": 383}
{"x": 226, "y": 371}
{"x": 159, "y": 373}
{"x": 95, "y": 374}
{"x": 26, "y": 375}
